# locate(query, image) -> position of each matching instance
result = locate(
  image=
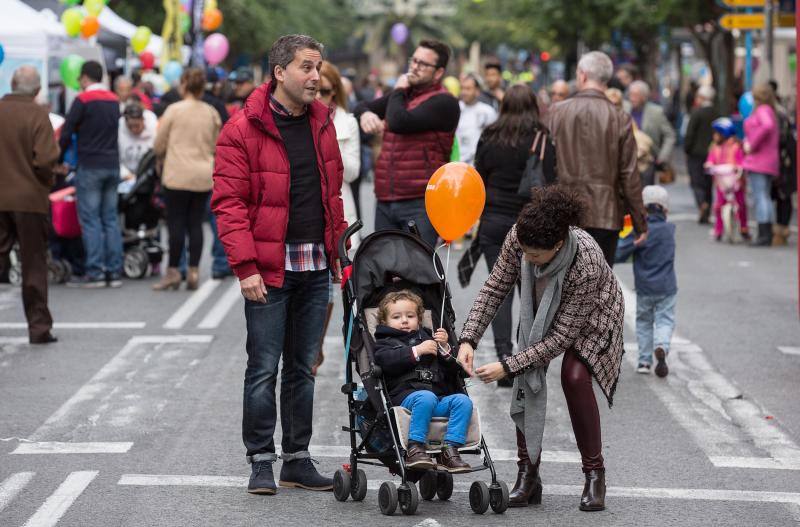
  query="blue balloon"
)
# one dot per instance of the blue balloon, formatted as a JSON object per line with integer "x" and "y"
{"x": 2, "y": 54}
{"x": 172, "y": 72}
{"x": 746, "y": 104}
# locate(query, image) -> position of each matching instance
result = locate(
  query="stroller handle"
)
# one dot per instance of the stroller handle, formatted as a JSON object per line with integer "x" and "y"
{"x": 351, "y": 230}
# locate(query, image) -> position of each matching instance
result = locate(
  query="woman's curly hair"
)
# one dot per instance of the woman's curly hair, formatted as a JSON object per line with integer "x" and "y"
{"x": 546, "y": 219}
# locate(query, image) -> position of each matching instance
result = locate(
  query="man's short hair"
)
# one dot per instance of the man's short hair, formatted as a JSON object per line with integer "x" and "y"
{"x": 122, "y": 79}
{"x": 493, "y": 66}
{"x": 640, "y": 86}
{"x": 283, "y": 50}
{"x": 441, "y": 49}
{"x": 93, "y": 70}
{"x": 597, "y": 66}
{"x": 26, "y": 81}
{"x": 474, "y": 78}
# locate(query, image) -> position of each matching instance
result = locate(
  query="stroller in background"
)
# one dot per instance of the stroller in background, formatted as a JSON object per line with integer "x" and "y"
{"x": 386, "y": 261}
{"x": 142, "y": 208}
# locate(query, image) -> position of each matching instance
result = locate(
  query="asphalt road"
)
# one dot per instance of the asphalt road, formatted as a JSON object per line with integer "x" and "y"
{"x": 133, "y": 418}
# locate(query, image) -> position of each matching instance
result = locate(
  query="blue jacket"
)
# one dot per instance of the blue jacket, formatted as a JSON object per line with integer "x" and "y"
{"x": 654, "y": 260}
{"x": 94, "y": 117}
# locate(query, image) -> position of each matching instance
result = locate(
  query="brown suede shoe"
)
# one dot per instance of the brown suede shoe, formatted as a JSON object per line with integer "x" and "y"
{"x": 417, "y": 458}
{"x": 451, "y": 460}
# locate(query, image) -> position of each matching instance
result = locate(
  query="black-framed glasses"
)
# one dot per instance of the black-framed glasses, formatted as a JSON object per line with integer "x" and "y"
{"x": 325, "y": 92}
{"x": 414, "y": 62}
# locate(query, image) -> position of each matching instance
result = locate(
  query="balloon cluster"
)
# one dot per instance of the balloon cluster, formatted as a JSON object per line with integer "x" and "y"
{"x": 216, "y": 46}
{"x": 82, "y": 21}
{"x": 212, "y": 16}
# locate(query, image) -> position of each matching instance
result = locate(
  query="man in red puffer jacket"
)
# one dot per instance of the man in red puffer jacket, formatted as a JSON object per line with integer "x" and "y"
{"x": 277, "y": 201}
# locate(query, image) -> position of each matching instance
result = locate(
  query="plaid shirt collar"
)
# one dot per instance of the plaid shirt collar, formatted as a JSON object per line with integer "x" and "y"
{"x": 280, "y": 109}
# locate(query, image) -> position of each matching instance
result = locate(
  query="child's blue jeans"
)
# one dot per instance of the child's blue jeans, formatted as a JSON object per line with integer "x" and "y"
{"x": 655, "y": 322}
{"x": 425, "y": 405}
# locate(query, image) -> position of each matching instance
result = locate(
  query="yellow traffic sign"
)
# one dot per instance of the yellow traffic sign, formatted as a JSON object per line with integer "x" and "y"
{"x": 742, "y": 21}
{"x": 744, "y": 3}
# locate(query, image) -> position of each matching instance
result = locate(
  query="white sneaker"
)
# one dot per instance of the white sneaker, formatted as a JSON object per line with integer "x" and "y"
{"x": 643, "y": 368}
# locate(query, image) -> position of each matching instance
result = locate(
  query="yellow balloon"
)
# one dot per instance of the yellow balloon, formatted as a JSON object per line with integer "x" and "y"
{"x": 93, "y": 7}
{"x": 141, "y": 38}
{"x": 453, "y": 85}
{"x": 72, "y": 18}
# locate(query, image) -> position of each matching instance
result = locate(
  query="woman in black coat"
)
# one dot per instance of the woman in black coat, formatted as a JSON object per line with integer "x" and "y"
{"x": 502, "y": 153}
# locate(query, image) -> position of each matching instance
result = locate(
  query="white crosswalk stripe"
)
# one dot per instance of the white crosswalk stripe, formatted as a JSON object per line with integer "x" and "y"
{"x": 61, "y": 500}
{"x": 12, "y": 486}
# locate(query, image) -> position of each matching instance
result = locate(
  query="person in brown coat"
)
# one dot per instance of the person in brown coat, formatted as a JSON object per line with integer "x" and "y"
{"x": 29, "y": 153}
{"x": 596, "y": 155}
{"x": 571, "y": 305}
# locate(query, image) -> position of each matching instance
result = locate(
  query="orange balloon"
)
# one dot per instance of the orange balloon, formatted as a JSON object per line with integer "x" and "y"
{"x": 89, "y": 26}
{"x": 454, "y": 199}
{"x": 212, "y": 19}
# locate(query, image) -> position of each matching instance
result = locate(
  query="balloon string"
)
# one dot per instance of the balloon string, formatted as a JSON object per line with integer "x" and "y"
{"x": 444, "y": 295}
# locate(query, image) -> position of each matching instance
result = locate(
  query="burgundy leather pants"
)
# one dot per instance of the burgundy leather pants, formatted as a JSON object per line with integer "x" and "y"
{"x": 576, "y": 381}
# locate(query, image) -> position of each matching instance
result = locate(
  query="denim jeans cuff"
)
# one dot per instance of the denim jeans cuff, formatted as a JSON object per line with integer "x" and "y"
{"x": 303, "y": 454}
{"x": 266, "y": 456}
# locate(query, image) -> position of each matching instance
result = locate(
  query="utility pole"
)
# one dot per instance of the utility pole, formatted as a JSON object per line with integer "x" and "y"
{"x": 769, "y": 25}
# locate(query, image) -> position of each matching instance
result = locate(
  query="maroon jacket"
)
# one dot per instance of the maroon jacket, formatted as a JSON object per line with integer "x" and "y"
{"x": 407, "y": 161}
{"x": 251, "y": 187}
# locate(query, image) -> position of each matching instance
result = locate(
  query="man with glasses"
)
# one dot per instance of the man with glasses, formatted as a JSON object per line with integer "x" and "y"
{"x": 417, "y": 120}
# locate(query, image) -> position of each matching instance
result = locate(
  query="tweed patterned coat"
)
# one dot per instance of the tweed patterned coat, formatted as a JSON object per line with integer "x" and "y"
{"x": 589, "y": 319}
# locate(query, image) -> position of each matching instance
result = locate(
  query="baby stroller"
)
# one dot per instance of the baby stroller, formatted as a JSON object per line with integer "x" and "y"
{"x": 141, "y": 208}
{"x": 386, "y": 261}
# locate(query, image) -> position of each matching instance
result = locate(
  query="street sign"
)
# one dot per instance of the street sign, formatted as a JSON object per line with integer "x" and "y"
{"x": 754, "y": 20}
{"x": 743, "y": 3}
{"x": 742, "y": 21}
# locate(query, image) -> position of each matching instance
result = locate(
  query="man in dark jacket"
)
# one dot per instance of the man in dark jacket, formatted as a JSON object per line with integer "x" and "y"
{"x": 418, "y": 120}
{"x": 696, "y": 144}
{"x": 596, "y": 155}
{"x": 29, "y": 152}
{"x": 277, "y": 199}
{"x": 94, "y": 117}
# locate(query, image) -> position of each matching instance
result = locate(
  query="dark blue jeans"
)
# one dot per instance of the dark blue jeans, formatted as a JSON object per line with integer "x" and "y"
{"x": 396, "y": 214}
{"x": 96, "y": 192}
{"x": 289, "y": 325}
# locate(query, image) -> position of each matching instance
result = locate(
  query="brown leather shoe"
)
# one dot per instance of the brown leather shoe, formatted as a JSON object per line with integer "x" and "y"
{"x": 417, "y": 458}
{"x": 528, "y": 487}
{"x": 662, "y": 370}
{"x": 594, "y": 491}
{"x": 451, "y": 460}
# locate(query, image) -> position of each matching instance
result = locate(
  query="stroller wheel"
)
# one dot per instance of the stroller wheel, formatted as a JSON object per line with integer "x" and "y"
{"x": 409, "y": 498}
{"x": 427, "y": 485}
{"x": 136, "y": 263}
{"x": 387, "y": 498}
{"x": 358, "y": 486}
{"x": 498, "y": 497}
{"x": 479, "y": 497}
{"x": 444, "y": 485}
{"x": 341, "y": 485}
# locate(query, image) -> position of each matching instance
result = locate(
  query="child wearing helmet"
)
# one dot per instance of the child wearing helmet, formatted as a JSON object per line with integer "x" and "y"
{"x": 724, "y": 164}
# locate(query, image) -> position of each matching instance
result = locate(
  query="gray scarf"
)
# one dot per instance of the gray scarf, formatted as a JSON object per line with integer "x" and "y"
{"x": 529, "y": 395}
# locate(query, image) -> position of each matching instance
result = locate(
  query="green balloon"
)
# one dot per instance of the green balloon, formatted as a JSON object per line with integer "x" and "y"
{"x": 793, "y": 62}
{"x": 70, "y": 2}
{"x": 70, "y": 70}
{"x": 186, "y": 23}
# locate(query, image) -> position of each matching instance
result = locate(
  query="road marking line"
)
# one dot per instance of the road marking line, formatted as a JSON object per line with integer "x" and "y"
{"x": 716, "y": 400}
{"x": 13, "y": 340}
{"x": 55, "y": 447}
{"x": 95, "y": 386}
{"x": 220, "y": 310}
{"x": 177, "y": 480}
{"x": 12, "y": 486}
{"x": 548, "y": 456}
{"x": 62, "y": 499}
{"x": 184, "y": 313}
{"x": 789, "y": 350}
{"x": 79, "y": 325}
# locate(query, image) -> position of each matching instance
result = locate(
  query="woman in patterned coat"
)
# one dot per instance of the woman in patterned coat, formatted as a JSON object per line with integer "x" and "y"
{"x": 571, "y": 304}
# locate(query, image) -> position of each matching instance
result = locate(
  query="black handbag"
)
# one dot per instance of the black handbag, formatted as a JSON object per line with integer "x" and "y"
{"x": 533, "y": 175}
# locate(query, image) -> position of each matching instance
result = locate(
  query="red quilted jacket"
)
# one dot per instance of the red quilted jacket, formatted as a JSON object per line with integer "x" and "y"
{"x": 251, "y": 188}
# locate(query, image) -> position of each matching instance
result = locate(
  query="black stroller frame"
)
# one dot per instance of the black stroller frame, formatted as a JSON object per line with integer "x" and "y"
{"x": 351, "y": 481}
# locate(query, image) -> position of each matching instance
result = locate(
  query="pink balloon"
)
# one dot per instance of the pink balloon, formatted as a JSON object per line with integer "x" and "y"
{"x": 215, "y": 48}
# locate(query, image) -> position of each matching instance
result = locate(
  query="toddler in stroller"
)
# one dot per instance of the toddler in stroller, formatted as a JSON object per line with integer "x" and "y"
{"x": 397, "y": 274}
{"x": 421, "y": 380}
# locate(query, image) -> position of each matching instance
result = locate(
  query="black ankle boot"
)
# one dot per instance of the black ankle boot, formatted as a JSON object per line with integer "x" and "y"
{"x": 594, "y": 491}
{"x": 764, "y": 238}
{"x": 528, "y": 487}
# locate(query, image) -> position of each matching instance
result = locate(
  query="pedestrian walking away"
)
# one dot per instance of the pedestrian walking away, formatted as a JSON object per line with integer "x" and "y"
{"x": 277, "y": 198}
{"x": 601, "y": 165}
{"x": 696, "y": 144}
{"x": 418, "y": 120}
{"x": 94, "y": 118}
{"x": 186, "y": 140}
{"x": 655, "y": 282}
{"x": 571, "y": 304}
{"x": 29, "y": 153}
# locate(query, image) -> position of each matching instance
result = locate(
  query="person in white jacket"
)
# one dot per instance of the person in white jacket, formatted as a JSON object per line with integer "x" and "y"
{"x": 137, "y": 133}
{"x": 331, "y": 92}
